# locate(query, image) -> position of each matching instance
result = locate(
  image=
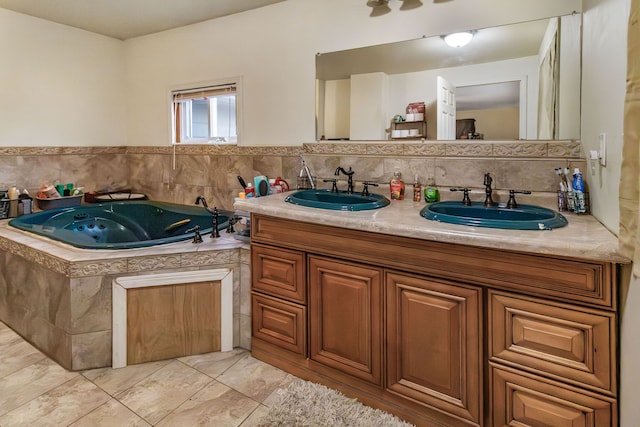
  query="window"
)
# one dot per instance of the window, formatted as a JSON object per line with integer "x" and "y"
{"x": 205, "y": 114}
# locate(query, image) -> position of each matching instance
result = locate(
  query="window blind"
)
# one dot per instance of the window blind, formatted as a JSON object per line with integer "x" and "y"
{"x": 203, "y": 92}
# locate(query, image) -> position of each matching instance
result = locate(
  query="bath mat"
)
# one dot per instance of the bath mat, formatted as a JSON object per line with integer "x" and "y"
{"x": 308, "y": 404}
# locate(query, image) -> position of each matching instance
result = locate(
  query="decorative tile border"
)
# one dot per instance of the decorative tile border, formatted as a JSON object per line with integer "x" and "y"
{"x": 520, "y": 149}
{"x": 50, "y": 151}
{"x": 31, "y": 254}
{"x": 523, "y": 149}
{"x": 132, "y": 264}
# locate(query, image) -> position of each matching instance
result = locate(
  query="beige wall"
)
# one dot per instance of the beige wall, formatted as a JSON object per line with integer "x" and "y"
{"x": 81, "y": 78}
{"x": 494, "y": 124}
{"x": 274, "y": 49}
{"x": 60, "y": 86}
{"x": 603, "y": 90}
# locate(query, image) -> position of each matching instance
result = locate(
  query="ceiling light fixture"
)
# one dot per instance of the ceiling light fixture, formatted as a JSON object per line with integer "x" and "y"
{"x": 458, "y": 39}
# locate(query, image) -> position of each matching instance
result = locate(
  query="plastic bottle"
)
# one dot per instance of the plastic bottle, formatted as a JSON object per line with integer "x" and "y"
{"x": 13, "y": 195}
{"x": 249, "y": 191}
{"x": 274, "y": 187}
{"x": 431, "y": 192}
{"x": 579, "y": 205}
{"x": 282, "y": 183}
{"x": 396, "y": 185}
{"x": 24, "y": 203}
{"x": 417, "y": 190}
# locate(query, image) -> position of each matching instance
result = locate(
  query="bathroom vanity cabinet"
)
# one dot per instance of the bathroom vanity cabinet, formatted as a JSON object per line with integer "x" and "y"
{"x": 438, "y": 333}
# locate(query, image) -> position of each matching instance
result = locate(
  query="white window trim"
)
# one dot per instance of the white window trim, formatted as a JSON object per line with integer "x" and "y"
{"x": 237, "y": 80}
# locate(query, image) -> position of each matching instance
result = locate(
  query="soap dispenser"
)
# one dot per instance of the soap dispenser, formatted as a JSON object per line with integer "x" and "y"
{"x": 431, "y": 193}
{"x": 396, "y": 185}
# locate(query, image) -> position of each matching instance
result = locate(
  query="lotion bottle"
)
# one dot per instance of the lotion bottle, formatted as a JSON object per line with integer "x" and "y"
{"x": 417, "y": 190}
{"x": 396, "y": 185}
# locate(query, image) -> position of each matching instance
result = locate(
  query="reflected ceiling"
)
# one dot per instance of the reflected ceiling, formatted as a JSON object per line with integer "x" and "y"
{"x": 124, "y": 19}
{"x": 488, "y": 45}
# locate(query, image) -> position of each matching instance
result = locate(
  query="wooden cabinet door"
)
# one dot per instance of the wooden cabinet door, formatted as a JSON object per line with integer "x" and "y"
{"x": 520, "y": 399}
{"x": 434, "y": 344}
{"x": 345, "y": 317}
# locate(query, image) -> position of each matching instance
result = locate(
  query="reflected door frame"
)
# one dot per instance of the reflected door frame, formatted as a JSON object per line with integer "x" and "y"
{"x": 522, "y": 107}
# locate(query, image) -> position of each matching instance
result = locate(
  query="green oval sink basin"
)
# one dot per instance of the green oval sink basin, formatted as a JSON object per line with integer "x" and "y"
{"x": 524, "y": 217}
{"x": 325, "y": 199}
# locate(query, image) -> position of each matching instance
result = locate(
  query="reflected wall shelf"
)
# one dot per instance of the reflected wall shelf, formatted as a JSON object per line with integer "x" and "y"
{"x": 420, "y": 126}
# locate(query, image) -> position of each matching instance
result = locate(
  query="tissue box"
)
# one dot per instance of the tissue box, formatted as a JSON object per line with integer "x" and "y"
{"x": 62, "y": 202}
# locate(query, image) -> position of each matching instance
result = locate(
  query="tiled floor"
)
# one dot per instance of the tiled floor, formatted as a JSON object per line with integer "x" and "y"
{"x": 215, "y": 389}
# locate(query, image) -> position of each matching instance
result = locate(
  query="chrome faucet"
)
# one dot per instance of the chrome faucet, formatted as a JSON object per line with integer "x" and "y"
{"x": 488, "y": 201}
{"x": 214, "y": 233}
{"x": 349, "y": 174}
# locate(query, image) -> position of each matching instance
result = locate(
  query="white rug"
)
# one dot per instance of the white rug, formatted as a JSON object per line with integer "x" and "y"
{"x": 313, "y": 405}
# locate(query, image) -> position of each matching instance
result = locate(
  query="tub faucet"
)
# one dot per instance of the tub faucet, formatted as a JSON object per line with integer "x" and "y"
{"x": 349, "y": 174}
{"x": 214, "y": 233}
{"x": 488, "y": 201}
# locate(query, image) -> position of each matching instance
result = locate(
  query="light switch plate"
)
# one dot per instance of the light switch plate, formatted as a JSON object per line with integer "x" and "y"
{"x": 603, "y": 149}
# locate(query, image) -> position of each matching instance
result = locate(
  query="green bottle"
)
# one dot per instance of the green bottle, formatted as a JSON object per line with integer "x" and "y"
{"x": 431, "y": 193}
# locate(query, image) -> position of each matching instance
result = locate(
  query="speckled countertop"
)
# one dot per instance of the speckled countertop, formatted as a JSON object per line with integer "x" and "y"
{"x": 584, "y": 237}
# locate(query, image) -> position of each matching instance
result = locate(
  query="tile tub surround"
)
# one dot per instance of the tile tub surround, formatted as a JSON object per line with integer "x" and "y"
{"x": 59, "y": 297}
{"x": 584, "y": 237}
{"x": 211, "y": 170}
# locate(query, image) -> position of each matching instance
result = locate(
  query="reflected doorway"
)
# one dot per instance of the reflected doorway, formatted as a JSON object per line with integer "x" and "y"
{"x": 493, "y": 111}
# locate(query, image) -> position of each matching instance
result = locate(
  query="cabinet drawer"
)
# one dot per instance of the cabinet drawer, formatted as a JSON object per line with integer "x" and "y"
{"x": 519, "y": 399}
{"x": 559, "y": 340}
{"x": 279, "y": 272}
{"x": 279, "y": 322}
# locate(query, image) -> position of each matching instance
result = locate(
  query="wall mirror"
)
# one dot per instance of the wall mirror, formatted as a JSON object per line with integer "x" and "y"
{"x": 517, "y": 81}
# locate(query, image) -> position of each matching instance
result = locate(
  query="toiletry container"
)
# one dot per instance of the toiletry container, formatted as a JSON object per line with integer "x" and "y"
{"x": 396, "y": 185}
{"x": 282, "y": 183}
{"x": 579, "y": 205}
{"x": 48, "y": 192}
{"x": 431, "y": 193}
{"x": 13, "y": 195}
{"x": 417, "y": 190}
{"x": 261, "y": 184}
{"x": 274, "y": 187}
{"x": 25, "y": 204}
{"x": 249, "y": 191}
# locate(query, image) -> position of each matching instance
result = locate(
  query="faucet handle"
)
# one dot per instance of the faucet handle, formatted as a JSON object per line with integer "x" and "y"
{"x": 465, "y": 195}
{"x": 365, "y": 187}
{"x": 512, "y": 204}
{"x": 197, "y": 237}
{"x": 334, "y": 185}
